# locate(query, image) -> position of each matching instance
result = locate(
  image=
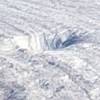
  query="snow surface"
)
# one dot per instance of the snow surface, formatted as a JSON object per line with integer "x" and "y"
{"x": 49, "y": 50}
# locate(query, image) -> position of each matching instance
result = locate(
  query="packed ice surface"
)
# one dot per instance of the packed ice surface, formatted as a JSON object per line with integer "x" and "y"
{"x": 49, "y": 50}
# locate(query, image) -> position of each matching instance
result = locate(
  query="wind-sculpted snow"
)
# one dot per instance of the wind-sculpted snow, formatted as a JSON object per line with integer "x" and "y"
{"x": 49, "y": 50}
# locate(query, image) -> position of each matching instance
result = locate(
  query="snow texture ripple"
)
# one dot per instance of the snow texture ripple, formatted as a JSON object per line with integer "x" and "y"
{"x": 49, "y": 50}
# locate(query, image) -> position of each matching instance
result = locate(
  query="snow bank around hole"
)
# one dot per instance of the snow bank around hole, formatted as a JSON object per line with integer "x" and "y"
{"x": 34, "y": 43}
{"x": 22, "y": 41}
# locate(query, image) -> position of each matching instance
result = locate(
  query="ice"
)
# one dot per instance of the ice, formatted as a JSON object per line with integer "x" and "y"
{"x": 49, "y": 50}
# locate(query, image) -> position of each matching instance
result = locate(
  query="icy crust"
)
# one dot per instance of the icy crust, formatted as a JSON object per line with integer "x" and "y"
{"x": 49, "y": 50}
{"x": 63, "y": 73}
{"x": 38, "y": 78}
{"x": 50, "y": 76}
